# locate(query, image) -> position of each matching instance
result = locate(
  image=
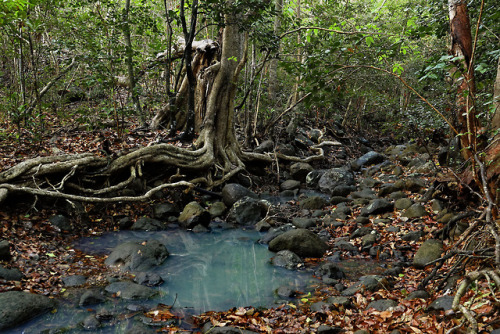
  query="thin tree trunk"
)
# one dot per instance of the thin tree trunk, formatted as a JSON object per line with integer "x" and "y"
{"x": 273, "y": 64}
{"x": 495, "y": 122}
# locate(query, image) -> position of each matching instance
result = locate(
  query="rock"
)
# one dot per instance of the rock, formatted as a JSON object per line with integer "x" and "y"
{"x": 315, "y": 135}
{"x": 164, "y": 210}
{"x": 361, "y": 331}
{"x": 299, "y": 171}
{"x": 368, "y": 240}
{"x": 403, "y": 203}
{"x": 285, "y": 292}
{"x": 320, "y": 306}
{"x": 437, "y": 205}
{"x": 5, "y": 250}
{"x": 286, "y": 259}
{"x": 389, "y": 188}
{"x": 313, "y": 177}
{"x": 441, "y": 304}
{"x": 377, "y": 206}
{"x": 290, "y": 185}
{"x": 208, "y": 328}
{"x": 286, "y": 149}
{"x": 125, "y": 223}
{"x": 302, "y": 141}
{"x": 129, "y": 290}
{"x": 339, "y": 301}
{"x": 301, "y": 241}
{"x": 194, "y": 214}
{"x": 371, "y": 283}
{"x": 413, "y": 236}
{"x": 418, "y": 294}
{"x": 217, "y": 209}
{"x": 333, "y": 178}
{"x": 233, "y": 192}
{"x": 397, "y": 195}
{"x": 365, "y": 193}
{"x": 383, "y": 304}
{"x": 345, "y": 245}
{"x": 136, "y": 256}
{"x": 313, "y": 203}
{"x": 368, "y": 159}
{"x": 265, "y": 146}
{"x": 300, "y": 222}
{"x": 360, "y": 220}
{"x": 414, "y": 184}
{"x": 342, "y": 190}
{"x": 274, "y": 232}
{"x": 362, "y": 231}
{"x": 262, "y": 226}
{"x": 398, "y": 171}
{"x": 334, "y": 200}
{"x": 148, "y": 279}
{"x": 200, "y": 229}
{"x": 429, "y": 251}
{"x": 415, "y": 211}
{"x": 148, "y": 224}
{"x": 329, "y": 270}
{"x": 18, "y": 307}
{"x": 91, "y": 297}
{"x": 61, "y": 222}
{"x": 13, "y": 274}
{"x": 91, "y": 323}
{"x": 247, "y": 211}
{"x": 74, "y": 280}
{"x": 325, "y": 329}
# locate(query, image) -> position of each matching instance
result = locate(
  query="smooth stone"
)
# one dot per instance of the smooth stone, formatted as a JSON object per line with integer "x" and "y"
{"x": 148, "y": 224}
{"x": 61, "y": 222}
{"x": 129, "y": 290}
{"x": 418, "y": 294}
{"x": 403, "y": 203}
{"x": 329, "y": 270}
{"x": 290, "y": 185}
{"x": 378, "y": 206}
{"x": 313, "y": 203}
{"x": 194, "y": 214}
{"x": 299, "y": 171}
{"x": 442, "y": 303}
{"x": 165, "y": 210}
{"x": 300, "y": 222}
{"x": 286, "y": 259}
{"x": 148, "y": 279}
{"x": 285, "y": 292}
{"x": 217, "y": 209}
{"x": 247, "y": 211}
{"x": 13, "y": 274}
{"x": 300, "y": 241}
{"x": 136, "y": 256}
{"x": 18, "y": 307}
{"x": 335, "y": 177}
{"x": 232, "y": 192}
{"x": 415, "y": 211}
{"x": 429, "y": 251}
{"x": 74, "y": 280}
{"x": 91, "y": 297}
{"x": 382, "y": 304}
{"x": 413, "y": 236}
{"x": 5, "y": 250}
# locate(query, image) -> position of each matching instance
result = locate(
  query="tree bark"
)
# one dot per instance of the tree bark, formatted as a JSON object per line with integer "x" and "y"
{"x": 273, "y": 64}
{"x": 495, "y": 122}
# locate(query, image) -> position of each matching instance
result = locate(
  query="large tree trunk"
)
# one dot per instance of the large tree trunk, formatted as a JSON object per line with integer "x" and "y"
{"x": 463, "y": 74}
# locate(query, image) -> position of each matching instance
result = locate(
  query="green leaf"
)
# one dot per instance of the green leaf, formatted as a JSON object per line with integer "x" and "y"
{"x": 51, "y": 255}
{"x": 369, "y": 40}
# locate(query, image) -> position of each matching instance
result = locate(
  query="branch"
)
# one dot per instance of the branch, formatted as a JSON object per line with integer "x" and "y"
{"x": 341, "y": 32}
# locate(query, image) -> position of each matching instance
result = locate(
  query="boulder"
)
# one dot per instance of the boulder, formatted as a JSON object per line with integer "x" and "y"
{"x": 403, "y": 203}
{"x": 299, "y": 171}
{"x": 129, "y": 290}
{"x": 274, "y": 232}
{"x": 429, "y": 251}
{"x": 148, "y": 279}
{"x": 290, "y": 185}
{"x": 335, "y": 177}
{"x": 300, "y": 222}
{"x": 13, "y": 274}
{"x": 415, "y": 211}
{"x": 329, "y": 270}
{"x": 377, "y": 206}
{"x": 247, "y": 211}
{"x": 5, "y": 250}
{"x": 164, "y": 210}
{"x": 74, "y": 280}
{"x": 18, "y": 307}
{"x": 148, "y": 224}
{"x": 286, "y": 259}
{"x": 134, "y": 256}
{"x": 383, "y": 304}
{"x": 313, "y": 177}
{"x": 300, "y": 241}
{"x": 368, "y": 159}
{"x": 265, "y": 146}
{"x": 232, "y": 192}
{"x": 91, "y": 297}
{"x": 313, "y": 203}
{"x": 194, "y": 214}
{"x": 217, "y": 209}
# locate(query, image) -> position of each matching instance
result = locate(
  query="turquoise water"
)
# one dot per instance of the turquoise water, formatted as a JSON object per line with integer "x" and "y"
{"x": 205, "y": 272}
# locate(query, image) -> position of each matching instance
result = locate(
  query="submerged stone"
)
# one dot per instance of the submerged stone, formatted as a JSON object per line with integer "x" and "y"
{"x": 18, "y": 307}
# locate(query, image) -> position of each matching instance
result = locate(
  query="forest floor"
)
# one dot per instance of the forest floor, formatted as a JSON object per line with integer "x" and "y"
{"x": 44, "y": 254}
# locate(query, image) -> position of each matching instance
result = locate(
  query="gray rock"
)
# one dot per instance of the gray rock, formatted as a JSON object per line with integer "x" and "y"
{"x": 362, "y": 231}
{"x": 262, "y": 226}
{"x": 247, "y": 211}
{"x": 74, "y": 280}
{"x": 301, "y": 241}
{"x": 325, "y": 329}
{"x": 5, "y": 250}
{"x": 413, "y": 236}
{"x": 165, "y": 210}
{"x": 340, "y": 301}
{"x": 148, "y": 279}
{"x": 194, "y": 214}
{"x": 61, "y": 222}
{"x": 403, "y": 203}
{"x": 286, "y": 149}
{"x": 329, "y": 270}
{"x": 285, "y": 292}
{"x": 148, "y": 224}
{"x": 265, "y": 146}
{"x": 369, "y": 182}
{"x": 13, "y": 274}
{"x": 377, "y": 206}
{"x": 429, "y": 251}
{"x": 335, "y": 177}
{"x": 397, "y": 195}
{"x": 368, "y": 240}
{"x": 91, "y": 297}
{"x": 389, "y": 188}
{"x": 383, "y": 304}
{"x": 365, "y": 193}
{"x": 345, "y": 245}
{"x": 208, "y": 328}
{"x": 300, "y": 222}
{"x": 339, "y": 199}
{"x": 136, "y": 256}
{"x": 299, "y": 171}
{"x": 274, "y": 232}
{"x": 125, "y": 223}
{"x": 290, "y": 185}
{"x": 320, "y": 307}
{"x": 217, "y": 209}
{"x": 129, "y": 290}
{"x": 418, "y": 294}
{"x": 233, "y": 192}
{"x": 414, "y": 184}
{"x": 370, "y": 283}
{"x": 441, "y": 304}
{"x": 315, "y": 135}
{"x": 313, "y": 177}
{"x": 437, "y": 205}
{"x": 19, "y": 307}
{"x": 367, "y": 159}
{"x": 415, "y": 211}
{"x": 286, "y": 259}
{"x": 313, "y": 203}
{"x": 91, "y": 323}
{"x": 302, "y": 141}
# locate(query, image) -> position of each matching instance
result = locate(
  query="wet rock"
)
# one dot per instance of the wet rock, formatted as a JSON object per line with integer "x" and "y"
{"x": 403, "y": 203}
{"x": 415, "y": 211}
{"x": 61, "y": 222}
{"x": 368, "y": 159}
{"x": 413, "y": 236}
{"x": 5, "y": 250}
{"x": 377, "y": 206}
{"x": 285, "y": 292}
{"x": 247, "y": 211}
{"x": 383, "y": 304}
{"x": 265, "y": 146}
{"x": 91, "y": 323}
{"x": 274, "y": 232}
{"x": 300, "y": 241}
{"x": 164, "y": 210}
{"x": 286, "y": 259}
{"x": 329, "y": 270}
{"x": 194, "y": 214}
{"x": 18, "y": 307}
{"x": 313, "y": 177}
{"x": 148, "y": 279}
{"x": 262, "y": 226}
{"x": 74, "y": 280}
{"x": 418, "y": 294}
{"x": 148, "y": 224}
{"x": 129, "y": 290}
{"x": 299, "y": 171}
{"x": 217, "y": 209}
{"x": 429, "y": 251}
{"x": 91, "y": 297}
{"x": 300, "y": 222}
{"x": 333, "y": 178}
{"x": 233, "y": 192}
{"x": 13, "y": 274}
{"x": 200, "y": 229}
{"x": 441, "y": 304}
{"x": 313, "y": 203}
{"x": 136, "y": 256}
{"x": 290, "y": 185}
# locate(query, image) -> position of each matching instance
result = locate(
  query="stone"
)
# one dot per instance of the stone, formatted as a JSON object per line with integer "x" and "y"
{"x": 383, "y": 304}
{"x": 397, "y": 195}
{"x": 290, "y": 185}
{"x": 74, "y": 280}
{"x": 403, "y": 203}
{"x": 302, "y": 141}
{"x": 368, "y": 240}
{"x": 414, "y": 184}
{"x": 334, "y": 200}
{"x": 285, "y": 292}
{"x": 274, "y": 232}
{"x": 329, "y": 270}
{"x": 320, "y": 306}
{"x": 313, "y": 177}
{"x": 333, "y": 178}
{"x": 286, "y": 259}
{"x": 286, "y": 149}
{"x": 208, "y": 328}
{"x": 299, "y": 171}
{"x": 194, "y": 214}
{"x": 265, "y": 146}
{"x": 300, "y": 222}
{"x": 19, "y": 307}
{"x": 217, "y": 209}
{"x": 325, "y": 329}
{"x": 5, "y": 250}
{"x": 233, "y": 192}
{"x": 247, "y": 211}
{"x": 148, "y": 224}
{"x": 300, "y": 241}
{"x": 339, "y": 301}
{"x": 61, "y": 222}
{"x": 129, "y": 290}
{"x": 429, "y": 251}
{"x": 90, "y": 323}
{"x": 315, "y": 135}
{"x": 346, "y": 246}
{"x": 365, "y": 193}
{"x": 377, "y": 206}
{"x": 389, "y": 188}
{"x": 362, "y": 231}
{"x": 415, "y": 211}
{"x": 91, "y": 297}
{"x": 125, "y": 223}
{"x": 13, "y": 274}
{"x": 165, "y": 210}
{"x": 370, "y": 282}
{"x": 368, "y": 159}
{"x": 441, "y": 304}
{"x": 148, "y": 279}
{"x": 313, "y": 203}
{"x": 262, "y": 226}
{"x": 422, "y": 294}
{"x": 134, "y": 256}
{"x": 437, "y": 205}
{"x": 342, "y": 190}
{"x": 413, "y": 236}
